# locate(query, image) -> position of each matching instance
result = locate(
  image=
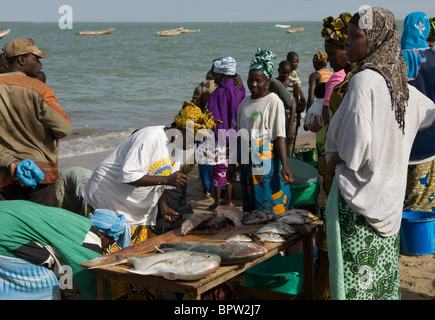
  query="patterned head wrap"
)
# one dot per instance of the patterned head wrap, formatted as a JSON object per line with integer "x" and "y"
{"x": 320, "y": 58}
{"x": 385, "y": 56}
{"x": 193, "y": 114}
{"x": 263, "y": 61}
{"x": 414, "y": 41}
{"x": 335, "y": 30}
{"x": 432, "y": 28}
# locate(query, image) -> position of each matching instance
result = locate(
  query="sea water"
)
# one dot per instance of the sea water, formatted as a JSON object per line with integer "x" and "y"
{"x": 110, "y": 85}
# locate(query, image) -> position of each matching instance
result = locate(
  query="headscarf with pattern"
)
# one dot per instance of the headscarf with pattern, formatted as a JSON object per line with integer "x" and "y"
{"x": 263, "y": 61}
{"x": 385, "y": 56}
{"x": 335, "y": 30}
{"x": 191, "y": 116}
{"x": 414, "y": 41}
{"x": 320, "y": 58}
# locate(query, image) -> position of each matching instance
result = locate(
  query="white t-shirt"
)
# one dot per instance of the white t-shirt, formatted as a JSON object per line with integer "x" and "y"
{"x": 146, "y": 152}
{"x": 266, "y": 114}
{"x": 366, "y": 135}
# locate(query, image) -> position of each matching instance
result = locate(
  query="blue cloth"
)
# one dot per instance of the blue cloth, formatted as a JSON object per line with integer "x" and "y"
{"x": 22, "y": 280}
{"x": 113, "y": 225}
{"x": 29, "y": 174}
{"x": 225, "y": 66}
{"x": 414, "y": 41}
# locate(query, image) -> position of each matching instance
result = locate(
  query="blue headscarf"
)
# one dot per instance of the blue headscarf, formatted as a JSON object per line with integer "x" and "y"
{"x": 414, "y": 41}
{"x": 113, "y": 225}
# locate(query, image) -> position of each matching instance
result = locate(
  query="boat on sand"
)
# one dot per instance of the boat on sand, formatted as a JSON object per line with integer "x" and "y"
{"x": 4, "y": 33}
{"x": 86, "y": 33}
{"x": 295, "y": 30}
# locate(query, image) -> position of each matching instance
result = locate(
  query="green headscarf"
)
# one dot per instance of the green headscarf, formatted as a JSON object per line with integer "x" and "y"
{"x": 336, "y": 29}
{"x": 263, "y": 61}
{"x": 431, "y": 28}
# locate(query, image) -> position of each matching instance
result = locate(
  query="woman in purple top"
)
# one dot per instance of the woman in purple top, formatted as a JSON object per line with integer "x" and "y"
{"x": 223, "y": 104}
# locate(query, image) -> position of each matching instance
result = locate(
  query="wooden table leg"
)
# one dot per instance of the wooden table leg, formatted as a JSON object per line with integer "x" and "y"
{"x": 307, "y": 244}
{"x": 101, "y": 289}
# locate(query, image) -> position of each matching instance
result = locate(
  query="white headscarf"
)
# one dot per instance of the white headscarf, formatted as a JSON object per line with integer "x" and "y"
{"x": 225, "y": 66}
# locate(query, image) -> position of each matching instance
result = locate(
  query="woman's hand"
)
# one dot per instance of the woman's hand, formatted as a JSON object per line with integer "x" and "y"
{"x": 177, "y": 179}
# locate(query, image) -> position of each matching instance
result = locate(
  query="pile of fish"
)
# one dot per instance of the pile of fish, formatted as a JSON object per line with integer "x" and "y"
{"x": 221, "y": 218}
{"x": 291, "y": 222}
{"x": 229, "y": 252}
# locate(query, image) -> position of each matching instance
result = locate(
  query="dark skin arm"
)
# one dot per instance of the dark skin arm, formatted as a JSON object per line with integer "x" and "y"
{"x": 313, "y": 80}
{"x": 281, "y": 149}
{"x": 177, "y": 179}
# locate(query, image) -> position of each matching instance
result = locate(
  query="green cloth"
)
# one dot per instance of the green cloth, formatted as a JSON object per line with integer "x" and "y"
{"x": 333, "y": 241}
{"x": 23, "y": 222}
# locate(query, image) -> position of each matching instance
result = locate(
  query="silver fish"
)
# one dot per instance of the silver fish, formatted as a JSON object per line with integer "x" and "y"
{"x": 230, "y": 252}
{"x": 272, "y": 237}
{"x": 246, "y": 237}
{"x": 292, "y": 219}
{"x": 310, "y": 217}
{"x": 194, "y": 221}
{"x": 257, "y": 217}
{"x": 277, "y": 227}
{"x": 231, "y": 213}
{"x": 176, "y": 265}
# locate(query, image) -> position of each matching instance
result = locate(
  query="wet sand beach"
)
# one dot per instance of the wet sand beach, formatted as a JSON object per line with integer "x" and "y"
{"x": 417, "y": 273}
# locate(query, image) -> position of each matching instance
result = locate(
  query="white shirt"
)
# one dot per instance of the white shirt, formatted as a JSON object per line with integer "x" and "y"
{"x": 144, "y": 153}
{"x": 366, "y": 135}
{"x": 266, "y": 114}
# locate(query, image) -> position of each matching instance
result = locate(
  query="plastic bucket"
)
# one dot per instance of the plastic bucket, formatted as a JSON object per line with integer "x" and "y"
{"x": 279, "y": 273}
{"x": 304, "y": 194}
{"x": 307, "y": 154}
{"x": 417, "y": 233}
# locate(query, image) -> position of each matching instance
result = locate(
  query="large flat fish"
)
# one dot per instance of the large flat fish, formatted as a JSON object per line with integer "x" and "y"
{"x": 230, "y": 252}
{"x": 231, "y": 213}
{"x": 194, "y": 221}
{"x": 211, "y": 226}
{"x": 176, "y": 265}
{"x": 257, "y": 217}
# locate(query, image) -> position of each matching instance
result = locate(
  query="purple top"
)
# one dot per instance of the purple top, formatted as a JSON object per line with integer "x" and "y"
{"x": 224, "y": 103}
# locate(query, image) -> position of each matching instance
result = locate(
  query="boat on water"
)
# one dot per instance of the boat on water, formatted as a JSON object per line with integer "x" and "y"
{"x": 175, "y": 32}
{"x": 86, "y": 33}
{"x": 282, "y": 25}
{"x": 4, "y": 33}
{"x": 295, "y": 30}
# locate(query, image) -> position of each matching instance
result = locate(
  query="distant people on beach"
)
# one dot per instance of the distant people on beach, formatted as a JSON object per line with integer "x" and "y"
{"x": 368, "y": 145}
{"x": 223, "y": 104}
{"x": 28, "y": 107}
{"x": 265, "y": 186}
{"x": 420, "y": 62}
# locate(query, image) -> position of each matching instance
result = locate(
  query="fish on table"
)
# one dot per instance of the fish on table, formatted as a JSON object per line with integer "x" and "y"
{"x": 257, "y": 217}
{"x": 231, "y": 213}
{"x": 211, "y": 226}
{"x": 230, "y": 252}
{"x": 194, "y": 221}
{"x": 277, "y": 227}
{"x": 176, "y": 265}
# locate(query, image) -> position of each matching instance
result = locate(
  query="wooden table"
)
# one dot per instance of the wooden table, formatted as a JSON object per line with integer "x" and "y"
{"x": 193, "y": 289}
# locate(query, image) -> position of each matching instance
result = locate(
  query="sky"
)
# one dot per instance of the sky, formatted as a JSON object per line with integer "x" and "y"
{"x": 199, "y": 10}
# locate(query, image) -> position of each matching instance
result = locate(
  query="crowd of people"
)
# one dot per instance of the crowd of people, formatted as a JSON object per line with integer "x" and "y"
{"x": 373, "y": 116}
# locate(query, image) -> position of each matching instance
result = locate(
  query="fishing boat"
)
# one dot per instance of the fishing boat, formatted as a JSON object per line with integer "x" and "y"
{"x": 295, "y": 30}
{"x": 175, "y": 32}
{"x": 86, "y": 33}
{"x": 282, "y": 25}
{"x": 4, "y": 33}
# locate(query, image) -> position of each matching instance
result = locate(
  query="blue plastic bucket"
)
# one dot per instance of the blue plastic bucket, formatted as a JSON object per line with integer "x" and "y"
{"x": 417, "y": 233}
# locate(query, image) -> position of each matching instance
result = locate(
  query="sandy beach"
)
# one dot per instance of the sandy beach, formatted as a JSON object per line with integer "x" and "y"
{"x": 417, "y": 273}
